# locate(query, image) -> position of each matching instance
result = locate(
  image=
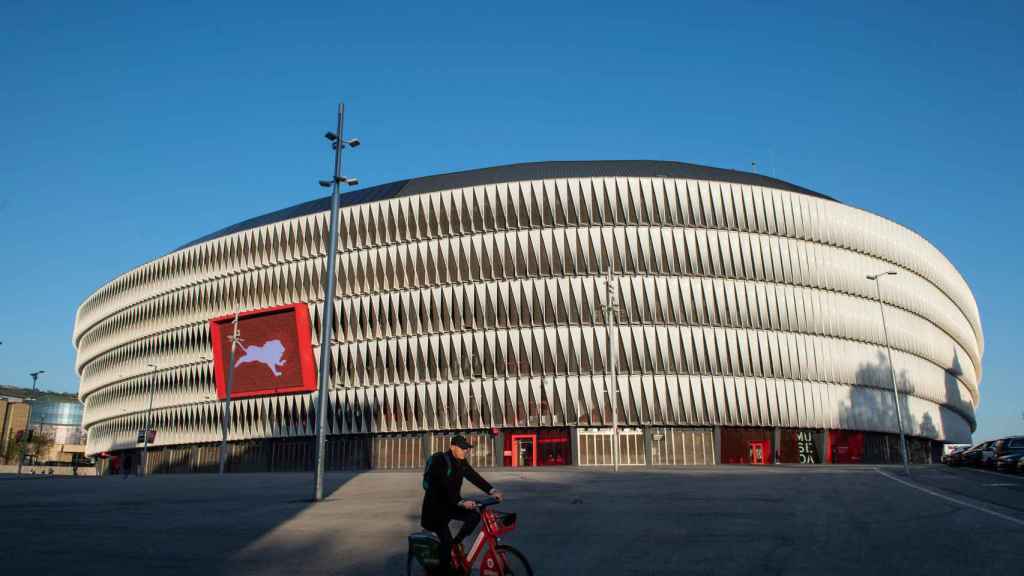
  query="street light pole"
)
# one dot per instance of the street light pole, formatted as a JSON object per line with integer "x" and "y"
{"x": 610, "y": 309}
{"x": 149, "y": 421}
{"x": 338, "y": 142}
{"x": 28, "y": 422}
{"x": 35, "y": 377}
{"x": 892, "y": 371}
{"x": 226, "y": 416}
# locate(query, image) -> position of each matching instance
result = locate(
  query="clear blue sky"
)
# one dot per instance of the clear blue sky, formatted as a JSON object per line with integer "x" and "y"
{"x": 127, "y": 131}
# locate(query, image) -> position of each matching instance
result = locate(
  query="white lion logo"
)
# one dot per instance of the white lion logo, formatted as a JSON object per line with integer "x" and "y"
{"x": 270, "y": 354}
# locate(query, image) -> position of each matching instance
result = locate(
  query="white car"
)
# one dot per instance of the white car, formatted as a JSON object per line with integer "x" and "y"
{"x": 950, "y": 449}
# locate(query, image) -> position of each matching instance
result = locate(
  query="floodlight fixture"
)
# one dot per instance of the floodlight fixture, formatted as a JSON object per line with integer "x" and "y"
{"x": 880, "y": 274}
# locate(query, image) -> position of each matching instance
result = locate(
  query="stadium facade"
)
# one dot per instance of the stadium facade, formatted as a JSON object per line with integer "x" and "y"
{"x": 747, "y": 330}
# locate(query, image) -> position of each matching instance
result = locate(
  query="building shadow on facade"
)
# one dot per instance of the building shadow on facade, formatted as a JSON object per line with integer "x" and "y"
{"x": 952, "y": 423}
{"x": 871, "y": 410}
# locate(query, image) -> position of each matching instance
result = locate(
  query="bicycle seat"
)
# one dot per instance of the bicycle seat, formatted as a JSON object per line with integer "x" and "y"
{"x": 422, "y": 537}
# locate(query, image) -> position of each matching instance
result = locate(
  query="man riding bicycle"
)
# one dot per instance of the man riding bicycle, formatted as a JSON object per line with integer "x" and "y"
{"x": 443, "y": 500}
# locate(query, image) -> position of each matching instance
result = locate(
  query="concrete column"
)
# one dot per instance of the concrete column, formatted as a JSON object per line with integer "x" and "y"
{"x": 647, "y": 446}
{"x": 425, "y": 450}
{"x": 496, "y": 440}
{"x": 776, "y": 444}
{"x": 499, "y": 449}
{"x": 574, "y": 445}
{"x": 718, "y": 444}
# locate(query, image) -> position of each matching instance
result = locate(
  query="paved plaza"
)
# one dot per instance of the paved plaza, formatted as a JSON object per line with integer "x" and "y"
{"x": 716, "y": 520}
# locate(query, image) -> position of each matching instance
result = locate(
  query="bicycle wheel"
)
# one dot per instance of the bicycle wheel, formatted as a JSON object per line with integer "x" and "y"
{"x": 515, "y": 561}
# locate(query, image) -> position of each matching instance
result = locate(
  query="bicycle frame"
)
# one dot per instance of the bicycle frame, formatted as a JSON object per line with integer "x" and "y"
{"x": 485, "y": 541}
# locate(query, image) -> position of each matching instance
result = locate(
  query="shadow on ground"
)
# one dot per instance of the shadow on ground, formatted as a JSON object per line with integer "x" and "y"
{"x": 162, "y": 524}
{"x": 715, "y": 520}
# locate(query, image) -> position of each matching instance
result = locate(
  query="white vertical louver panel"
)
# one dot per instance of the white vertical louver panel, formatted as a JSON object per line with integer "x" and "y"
{"x": 694, "y": 396}
{"x": 677, "y": 401}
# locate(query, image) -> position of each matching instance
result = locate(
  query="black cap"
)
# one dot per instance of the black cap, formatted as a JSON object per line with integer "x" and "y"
{"x": 460, "y": 441}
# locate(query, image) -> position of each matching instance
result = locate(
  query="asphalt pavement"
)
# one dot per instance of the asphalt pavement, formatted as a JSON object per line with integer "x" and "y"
{"x": 710, "y": 520}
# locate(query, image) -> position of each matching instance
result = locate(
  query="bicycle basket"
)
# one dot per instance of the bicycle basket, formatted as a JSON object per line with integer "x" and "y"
{"x": 426, "y": 548}
{"x": 500, "y": 522}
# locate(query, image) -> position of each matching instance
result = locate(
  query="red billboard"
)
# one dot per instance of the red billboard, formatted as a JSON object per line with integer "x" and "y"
{"x": 274, "y": 355}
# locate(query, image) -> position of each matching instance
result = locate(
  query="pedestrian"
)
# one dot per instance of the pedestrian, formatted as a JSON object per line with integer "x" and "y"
{"x": 126, "y": 465}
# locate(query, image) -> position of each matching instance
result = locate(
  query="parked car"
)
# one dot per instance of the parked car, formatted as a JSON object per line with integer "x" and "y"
{"x": 977, "y": 454}
{"x": 1005, "y": 446}
{"x": 988, "y": 456}
{"x": 1009, "y": 462}
{"x": 955, "y": 458}
{"x": 960, "y": 458}
{"x": 950, "y": 449}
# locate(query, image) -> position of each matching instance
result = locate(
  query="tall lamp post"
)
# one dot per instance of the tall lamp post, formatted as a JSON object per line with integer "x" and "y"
{"x": 35, "y": 376}
{"x": 236, "y": 341}
{"x": 149, "y": 420}
{"x": 610, "y": 309}
{"x": 892, "y": 370}
{"x": 28, "y": 422}
{"x": 338, "y": 143}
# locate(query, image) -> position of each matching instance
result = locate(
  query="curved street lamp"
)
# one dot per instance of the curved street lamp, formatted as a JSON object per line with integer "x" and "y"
{"x": 892, "y": 371}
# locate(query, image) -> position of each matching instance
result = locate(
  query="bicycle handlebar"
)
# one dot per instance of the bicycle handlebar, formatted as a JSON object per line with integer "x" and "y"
{"x": 485, "y": 502}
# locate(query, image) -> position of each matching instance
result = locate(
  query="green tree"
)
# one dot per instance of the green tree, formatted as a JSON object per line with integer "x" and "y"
{"x": 39, "y": 444}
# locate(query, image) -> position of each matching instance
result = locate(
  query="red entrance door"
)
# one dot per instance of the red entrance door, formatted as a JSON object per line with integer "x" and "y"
{"x": 759, "y": 452}
{"x": 524, "y": 451}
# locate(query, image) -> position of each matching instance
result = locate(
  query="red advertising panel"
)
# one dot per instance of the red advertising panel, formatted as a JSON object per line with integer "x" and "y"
{"x": 275, "y": 355}
{"x": 847, "y": 447}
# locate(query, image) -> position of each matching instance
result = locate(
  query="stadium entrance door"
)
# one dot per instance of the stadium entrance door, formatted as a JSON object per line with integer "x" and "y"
{"x": 759, "y": 452}
{"x": 524, "y": 450}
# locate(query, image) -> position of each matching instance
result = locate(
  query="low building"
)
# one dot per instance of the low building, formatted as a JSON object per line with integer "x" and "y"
{"x": 55, "y": 416}
{"x": 61, "y": 422}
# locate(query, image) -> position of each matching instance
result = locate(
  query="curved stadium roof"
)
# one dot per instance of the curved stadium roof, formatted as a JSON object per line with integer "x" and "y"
{"x": 515, "y": 173}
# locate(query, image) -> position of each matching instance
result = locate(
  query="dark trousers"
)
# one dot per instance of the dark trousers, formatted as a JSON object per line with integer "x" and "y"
{"x": 469, "y": 519}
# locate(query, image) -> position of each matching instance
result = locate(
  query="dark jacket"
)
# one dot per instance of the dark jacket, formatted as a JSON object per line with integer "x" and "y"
{"x": 444, "y": 489}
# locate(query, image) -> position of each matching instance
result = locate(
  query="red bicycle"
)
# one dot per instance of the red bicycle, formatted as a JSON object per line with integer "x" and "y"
{"x": 496, "y": 559}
